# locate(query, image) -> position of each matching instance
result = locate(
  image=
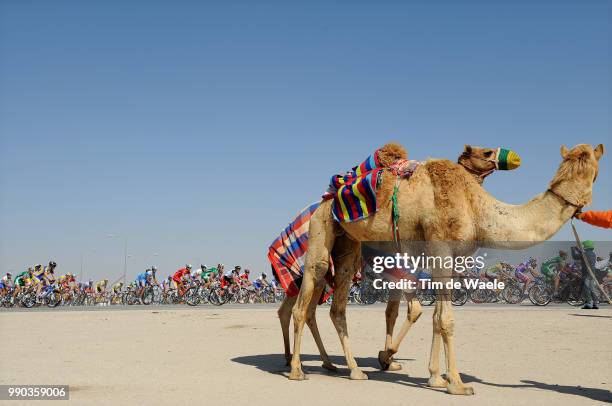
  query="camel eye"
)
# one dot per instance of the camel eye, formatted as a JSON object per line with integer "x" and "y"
{"x": 488, "y": 154}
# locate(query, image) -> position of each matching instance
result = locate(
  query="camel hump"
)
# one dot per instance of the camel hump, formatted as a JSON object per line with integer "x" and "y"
{"x": 390, "y": 153}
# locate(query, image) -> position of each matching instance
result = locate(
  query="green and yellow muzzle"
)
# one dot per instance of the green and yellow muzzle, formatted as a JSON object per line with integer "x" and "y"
{"x": 506, "y": 159}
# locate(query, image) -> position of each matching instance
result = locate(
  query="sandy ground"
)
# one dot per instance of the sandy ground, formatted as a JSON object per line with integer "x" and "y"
{"x": 511, "y": 355}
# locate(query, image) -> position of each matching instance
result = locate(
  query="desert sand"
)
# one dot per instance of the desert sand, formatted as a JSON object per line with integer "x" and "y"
{"x": 233, "y": 355}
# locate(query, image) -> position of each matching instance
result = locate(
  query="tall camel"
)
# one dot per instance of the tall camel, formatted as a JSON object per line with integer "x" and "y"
{"x": 442, "y": 202}
{"x": 480, "y": 163}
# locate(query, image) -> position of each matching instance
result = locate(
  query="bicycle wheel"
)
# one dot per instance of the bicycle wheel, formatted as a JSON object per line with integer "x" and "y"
{"x": 459, "y": 296}
{"x": 218, "y": 297}
{"x": 539, "y": 296}
{"x": 53, "y": 299}
{"x": 426, "y": 297}
{"x": 191, "y": 297}
{"x": 28, "y": 300}
{"x": 204, "y": 295}
{"x": 513, "y": 294}
{"x": 478, "y": 296}
{"x": 147, "y": 296}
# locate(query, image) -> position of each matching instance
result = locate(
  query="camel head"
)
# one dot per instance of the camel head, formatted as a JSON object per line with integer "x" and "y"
{"x": 574, "y": 179}
{"x": 481, "y": 162}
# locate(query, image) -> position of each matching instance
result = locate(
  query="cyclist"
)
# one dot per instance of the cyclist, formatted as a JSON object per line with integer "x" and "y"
{"x": 39, "y": 271}
{"x": 525, "y": 272}
{"x": 493, "y": 271}
{"x": 275, "y": 285}
{"x": 178, "y": 276}
{"x": 153, "y": 276}
{"x": 36, "y": 278}
{"x": 228, "y": 278}
{"x": 261, "y": 282}
{"x": 6, "y": 283}
{"x": 244, "y": 278}
{"x": 49, "y": 276}
{"x": 117, "y": 287}
{"x": 52, "y": 265}
{"x": 196, "y": 275}
{"x": 166, "y": 284}
{"x": 141, "y": 281}
{"x": 207, "y": 274}
{"x": 101, "y": 287}
{"x": 90, "y": 286}
{"x": 71, "y": 279}
{"x": 22, "y": 281}
{"x": 552, "y": 269}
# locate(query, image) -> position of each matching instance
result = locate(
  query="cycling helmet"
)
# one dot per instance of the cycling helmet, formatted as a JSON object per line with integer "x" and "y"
{"x": 246, "y": 271}
{"x": 562, "y": 253}
{"x": 188, "y": 266}
{"x": 263, "y": 275}
{"x": 203, "y": 266}
{"x": 237, "y": 267}
{"x": 532, "y": 261}
{"x": 52, "y": 264}
{"x": 154, "y": 268}
{"x": 9, "y": 274}
{"x": 37, "y": 266}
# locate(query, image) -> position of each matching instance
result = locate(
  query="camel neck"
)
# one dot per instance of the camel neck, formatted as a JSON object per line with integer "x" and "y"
{"x": 535, "y": 221}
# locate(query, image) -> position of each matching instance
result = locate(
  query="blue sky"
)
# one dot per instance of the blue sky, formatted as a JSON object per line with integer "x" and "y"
{"x": 199, "y": 129}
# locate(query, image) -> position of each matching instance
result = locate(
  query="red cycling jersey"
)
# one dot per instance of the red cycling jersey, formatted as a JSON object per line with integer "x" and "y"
{"x": 178, "y": 275}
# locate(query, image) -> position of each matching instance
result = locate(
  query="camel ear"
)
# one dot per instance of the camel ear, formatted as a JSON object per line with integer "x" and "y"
{"x": 467, "y": 149}
{"x": 599, "y": 150}
{"x": 564, "y": 151}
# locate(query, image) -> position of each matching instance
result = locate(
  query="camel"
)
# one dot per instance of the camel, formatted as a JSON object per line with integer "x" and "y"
{"x": 480, "y": 163}
{"x": 442, "y": 202}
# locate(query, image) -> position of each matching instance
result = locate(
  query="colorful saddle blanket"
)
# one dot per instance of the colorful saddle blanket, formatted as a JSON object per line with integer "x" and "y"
{"x": 354, "y": 193}
{"x": 286, "y": 254}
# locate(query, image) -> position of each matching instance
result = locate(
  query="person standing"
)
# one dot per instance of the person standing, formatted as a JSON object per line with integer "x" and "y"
{"x": 589, "y": 284}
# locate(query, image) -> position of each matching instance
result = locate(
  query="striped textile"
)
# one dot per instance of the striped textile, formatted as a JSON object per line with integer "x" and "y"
{"x": 354, "y": 193}
{"x": 287, "y": 253}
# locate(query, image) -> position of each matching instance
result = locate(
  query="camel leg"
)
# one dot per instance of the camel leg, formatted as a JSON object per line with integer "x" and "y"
{"x": 311, "y": 321}
{"x": 435, "y": 379}
{"x": 321, "y": 241}
{"x": 443, "y": 329}
{"x": 284, "y": 315}
{"x": 391, "y": 312}
{"x": 338, "y": 316}
{"x": 447, "y": 326}
{"x": 413, "y": 314}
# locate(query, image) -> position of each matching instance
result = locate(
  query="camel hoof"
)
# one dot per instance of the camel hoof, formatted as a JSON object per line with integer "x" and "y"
{"x": 385, "y": 360}
{"x": 358, "y": 375}
{"x": 459, "y": 389}
{"x": 437, "y": 382}
{"x": 297, "y": 375}
{"x": 330, "y": 367}
{"x": 395, "y": 366}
